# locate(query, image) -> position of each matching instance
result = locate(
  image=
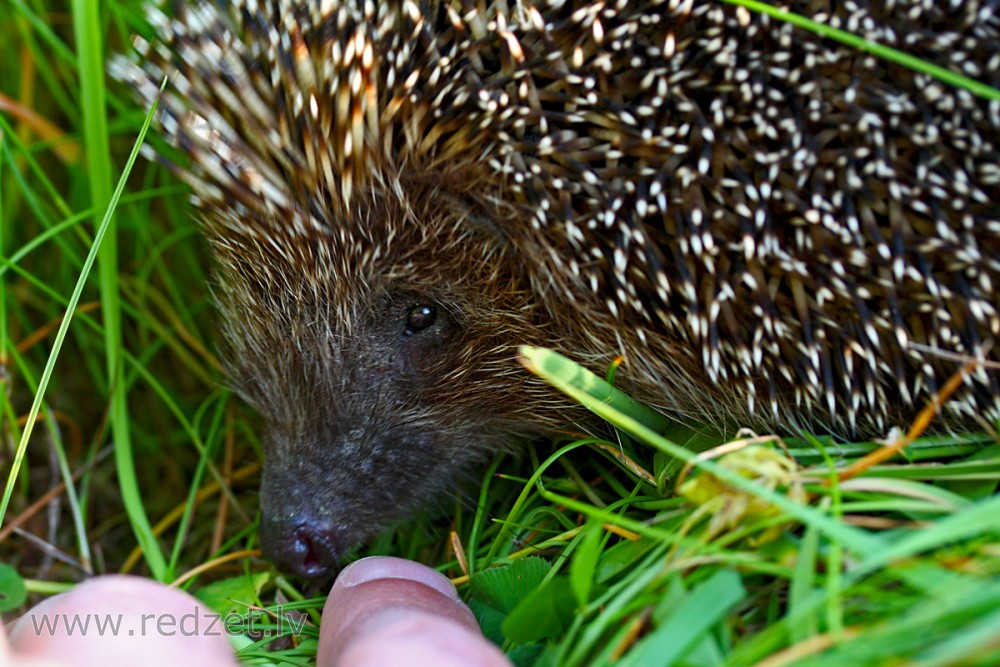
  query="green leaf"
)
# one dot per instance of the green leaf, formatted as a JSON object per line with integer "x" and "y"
{"x": 503, "y": 588}
{"x": 490, "y": 621}
{"x": 12, "y": 590}
{"x": 547, "y": 612}
{"x": 526, "y": 655}
{"x": 231, "y": 596}
{"x": 549, "y": 657}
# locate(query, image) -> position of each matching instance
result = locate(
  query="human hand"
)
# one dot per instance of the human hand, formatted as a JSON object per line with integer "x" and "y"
{"x": 381, "y": 611}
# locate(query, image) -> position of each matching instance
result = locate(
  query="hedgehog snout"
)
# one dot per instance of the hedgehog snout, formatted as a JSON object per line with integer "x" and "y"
{"x": 301, "y": 545}
{"x": 300, "y": 535}
{"x": 321, "y": 499}
{"x": 321, "y": 494}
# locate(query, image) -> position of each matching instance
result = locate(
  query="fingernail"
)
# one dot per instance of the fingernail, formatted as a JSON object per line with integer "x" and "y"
{"x": 387, "y": 567}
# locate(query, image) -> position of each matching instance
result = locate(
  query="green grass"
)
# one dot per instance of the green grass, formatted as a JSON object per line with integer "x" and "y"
{"x": 580, "y": 553}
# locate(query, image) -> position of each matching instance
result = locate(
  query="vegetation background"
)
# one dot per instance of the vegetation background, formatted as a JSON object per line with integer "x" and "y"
{"x": 121, "y": 449}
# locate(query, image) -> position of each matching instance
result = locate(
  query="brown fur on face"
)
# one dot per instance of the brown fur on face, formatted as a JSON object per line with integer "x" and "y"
{"x": 366, "y": 420}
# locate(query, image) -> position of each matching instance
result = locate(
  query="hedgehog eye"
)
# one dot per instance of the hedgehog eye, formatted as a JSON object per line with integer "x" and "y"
{"x": 419, "y": 318}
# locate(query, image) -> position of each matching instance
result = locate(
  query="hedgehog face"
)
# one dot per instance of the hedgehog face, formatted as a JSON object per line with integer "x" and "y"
{"x": 378, "y": 385}
{"x": 369, "y": 443}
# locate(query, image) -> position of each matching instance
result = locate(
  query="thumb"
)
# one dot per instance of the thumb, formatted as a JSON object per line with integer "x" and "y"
{"x": 390, "y": 611}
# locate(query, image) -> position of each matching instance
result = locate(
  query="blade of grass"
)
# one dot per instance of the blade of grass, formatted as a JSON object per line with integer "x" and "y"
{"x": 980, "y": 518}
{"x": 72, "y": 498}
{"x": 802, "y": 584}
{"x": 593, "y": 622}
{"x": 874, "y": 552}
{"x": 204, "y": 462}
{"x": 503, "y": 537}
{"x": 480, "y": 516}
{"x": 44, "y": 30}
{"x": 577, "y": 382}
{"x": 980, "y": 635}
{"x": 707, "y": 605}
{"x": 881, "y": 50}
{"x": 60, "y": 338}
{"x": 88, "y": 30}
{"x": 71, "y": 222}
{"x": 3, "y": 285}
{"x": 51, "y": 56}
{"x": 54, "y": 198}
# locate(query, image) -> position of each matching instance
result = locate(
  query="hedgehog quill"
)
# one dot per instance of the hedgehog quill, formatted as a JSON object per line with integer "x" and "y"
{"x": 775, "y": 230}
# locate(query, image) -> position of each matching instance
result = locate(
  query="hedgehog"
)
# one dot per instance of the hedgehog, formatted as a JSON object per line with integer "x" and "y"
{"x": 773, "y": 229}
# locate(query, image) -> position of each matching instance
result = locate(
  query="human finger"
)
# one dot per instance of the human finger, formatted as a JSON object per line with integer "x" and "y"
{"x": 384, "y": 611}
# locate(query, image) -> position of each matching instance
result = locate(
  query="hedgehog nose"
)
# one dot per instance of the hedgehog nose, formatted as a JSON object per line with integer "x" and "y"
{"x": 300, "y": 547}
